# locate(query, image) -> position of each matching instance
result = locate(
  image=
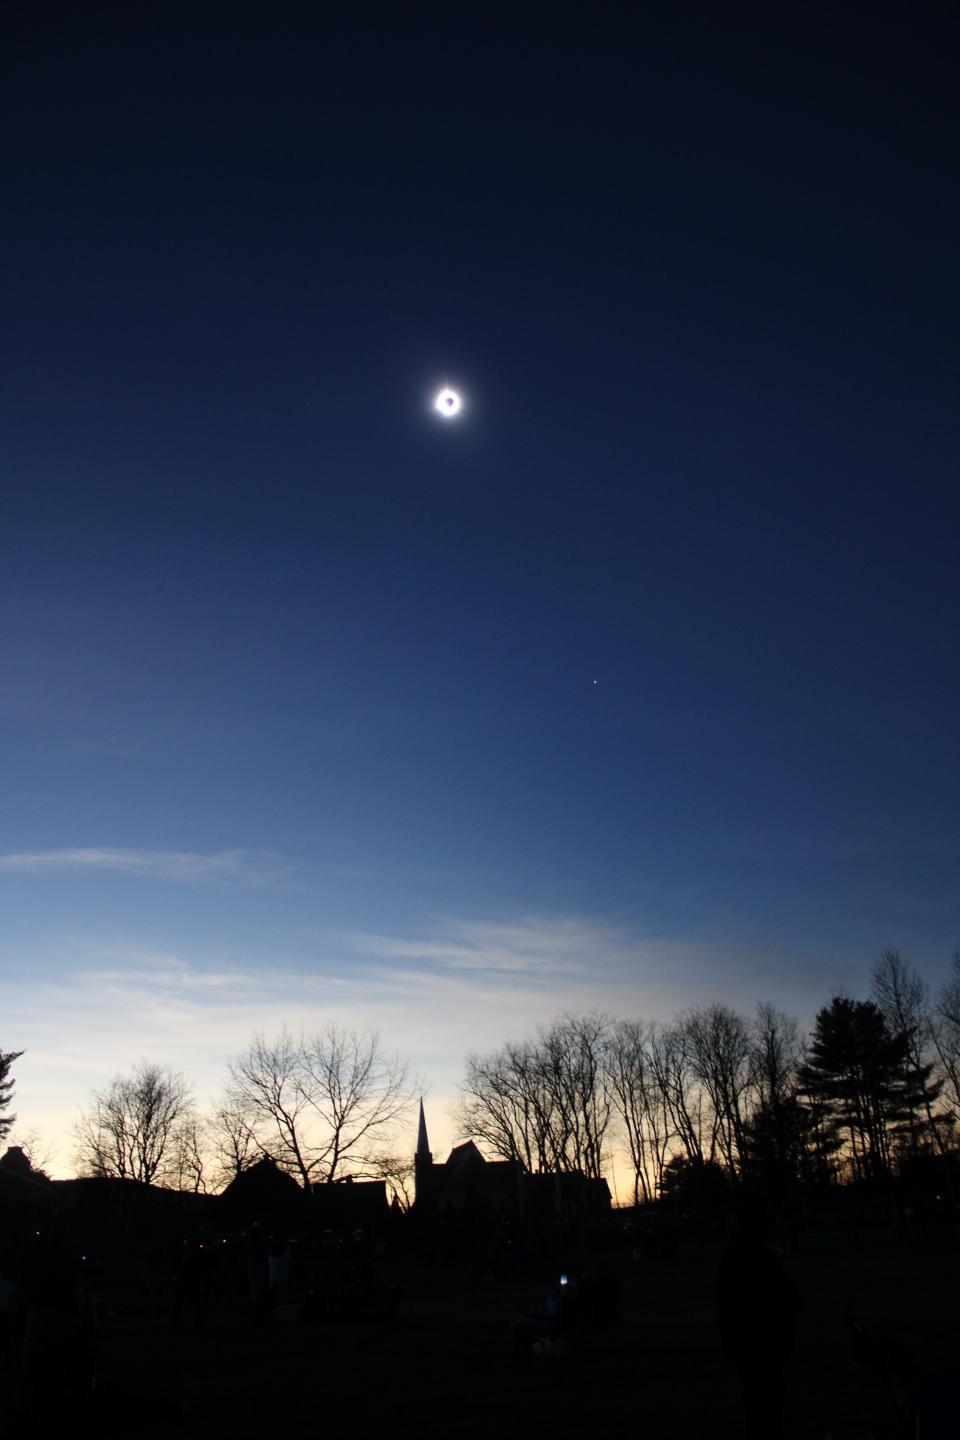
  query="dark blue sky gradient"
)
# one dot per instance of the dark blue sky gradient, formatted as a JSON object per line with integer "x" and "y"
{"x": 697, "y": 276}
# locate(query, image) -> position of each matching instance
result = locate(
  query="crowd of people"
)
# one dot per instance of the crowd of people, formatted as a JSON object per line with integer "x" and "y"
{"x": 54, "y": 1297}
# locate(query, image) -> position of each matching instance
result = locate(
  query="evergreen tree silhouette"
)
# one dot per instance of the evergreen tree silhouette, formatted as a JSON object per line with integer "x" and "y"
{"x": 7, "y": 1058}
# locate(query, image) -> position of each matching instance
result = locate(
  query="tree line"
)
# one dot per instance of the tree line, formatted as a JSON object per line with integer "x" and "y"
{"x": 717, "y": 1096}
{"x": 321, "y": 1106}
{"x": 710, "y": 1097}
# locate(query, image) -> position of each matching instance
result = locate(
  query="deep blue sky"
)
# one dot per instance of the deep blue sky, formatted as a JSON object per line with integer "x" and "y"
{"x": 655, "y": 647}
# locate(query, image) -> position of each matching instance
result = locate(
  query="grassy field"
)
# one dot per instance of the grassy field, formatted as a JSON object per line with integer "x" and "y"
{"x": 444, "y": 1367}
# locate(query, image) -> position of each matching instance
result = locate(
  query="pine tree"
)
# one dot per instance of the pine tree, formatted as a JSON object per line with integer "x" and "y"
{"x": 7, "y": 1058}
{"x": 857, "y": 1071}
{"x": 790, "y": 1141}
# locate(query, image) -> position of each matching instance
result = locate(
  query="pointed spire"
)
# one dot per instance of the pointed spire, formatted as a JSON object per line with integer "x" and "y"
{"x": 423, "y": 1145}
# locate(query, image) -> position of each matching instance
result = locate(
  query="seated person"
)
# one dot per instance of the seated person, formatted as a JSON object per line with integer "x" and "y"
{"x": 562, "y": 1313}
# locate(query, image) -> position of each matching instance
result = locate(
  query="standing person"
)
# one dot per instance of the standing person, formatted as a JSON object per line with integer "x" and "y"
{"x": 56, "y": 1353}
{"x": 8, "y": 1298}
{"x": 757, "y": 1309}
{"x": 258, "y": 1274}
{"x": 278, "y": 1272}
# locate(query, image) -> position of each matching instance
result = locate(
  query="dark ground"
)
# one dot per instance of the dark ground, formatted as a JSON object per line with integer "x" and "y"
{"x": 443, "y": 1367}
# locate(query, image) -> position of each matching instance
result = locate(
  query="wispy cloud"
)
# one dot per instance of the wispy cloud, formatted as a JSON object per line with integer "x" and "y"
{"x": 176, "y": 978}
{"x": 533, "y": 945}
{"x": 245, "y": 865}
{"x": 86, "y": 1007}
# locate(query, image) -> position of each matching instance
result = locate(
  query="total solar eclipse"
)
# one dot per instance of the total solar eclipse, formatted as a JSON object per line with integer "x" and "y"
{"x": 448, "y": 403}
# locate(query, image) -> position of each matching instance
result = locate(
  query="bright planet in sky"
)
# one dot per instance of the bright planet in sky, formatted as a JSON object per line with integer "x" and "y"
{"x": 448, "y": 403}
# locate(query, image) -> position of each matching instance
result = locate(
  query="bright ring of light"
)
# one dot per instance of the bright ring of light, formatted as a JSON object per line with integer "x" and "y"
{"x": 448, "y": 404}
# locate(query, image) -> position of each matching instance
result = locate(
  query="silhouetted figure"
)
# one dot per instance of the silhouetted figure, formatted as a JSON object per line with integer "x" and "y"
{"x": 56, "y": 1358}
{"x": 258, "y": 1275}
{"x": 925, "y": 1400}
{"x": 549, "y": 1333}
{"x": 598, "y": 1299}
{"x": 889, "y": 1358}
{"x": 279, "y": 1270}
{"x": 8, "y": 1299}
{"x": 193, "y": 1284}
{"x": 757, "y": 1308}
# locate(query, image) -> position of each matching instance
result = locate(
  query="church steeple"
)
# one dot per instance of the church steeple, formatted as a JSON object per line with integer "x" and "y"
{"x": 423, "y": 1146}
{"x": 422, "y": 1161}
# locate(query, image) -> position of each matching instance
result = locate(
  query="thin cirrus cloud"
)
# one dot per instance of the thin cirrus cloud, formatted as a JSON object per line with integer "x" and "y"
{"x": 187, "y": 865}
{"x": 433, "y": 999}
{"x": 534, "y": 945}
{"x": 454, "y": 987}
{"x": 539, "y": 965}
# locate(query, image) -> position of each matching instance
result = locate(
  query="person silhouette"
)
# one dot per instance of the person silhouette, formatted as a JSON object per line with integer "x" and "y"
{"x": 757, "y": 1309}
{"x": 8, "y": 1302}
{"x": 552, "y": 1330}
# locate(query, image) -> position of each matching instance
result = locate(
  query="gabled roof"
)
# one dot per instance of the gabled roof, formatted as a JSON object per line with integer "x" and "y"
{"x": 263, "y": 1181}
{"x": 462, "y": 1158}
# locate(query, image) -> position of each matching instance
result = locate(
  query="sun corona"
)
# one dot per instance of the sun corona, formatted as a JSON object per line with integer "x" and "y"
{"x": 448, "y": 403}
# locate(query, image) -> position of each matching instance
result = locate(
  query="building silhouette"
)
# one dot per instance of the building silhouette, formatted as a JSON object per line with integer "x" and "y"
{"x": 469, "y": 1188}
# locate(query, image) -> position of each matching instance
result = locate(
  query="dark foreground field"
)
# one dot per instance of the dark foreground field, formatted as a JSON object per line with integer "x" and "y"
{"x": 443, "y": 1367}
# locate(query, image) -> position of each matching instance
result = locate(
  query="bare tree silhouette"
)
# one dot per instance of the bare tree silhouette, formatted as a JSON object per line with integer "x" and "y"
{"x": 903, "y": 997}
{"x": 637, "y": 1103}
{"x": 321, "y": 1105}
{"x": 130, "y": 1130}
{"x": 544, "y": 1101}
{"x": 945, "y": 1034}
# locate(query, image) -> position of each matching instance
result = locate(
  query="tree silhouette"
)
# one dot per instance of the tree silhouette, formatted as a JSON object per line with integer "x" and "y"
{"x": 785, "y": 1141}
{"x": 320, "y": 1105}
{"x": 718, "y": 1047}
{"x": 694, "y": 1183}
{"x": 945, "y": 1033}
{"x": 545, "y": 1101}
{"x": 638, "y": 1104}
{"x": 903, "y": 997}
{"x": 786, "y": 1144}
{"x": 856, "y": 1070}
{"x": 232, "y": 1143}
{"x": 130, "y": 1130}
{"x": 7, "y": 1058}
